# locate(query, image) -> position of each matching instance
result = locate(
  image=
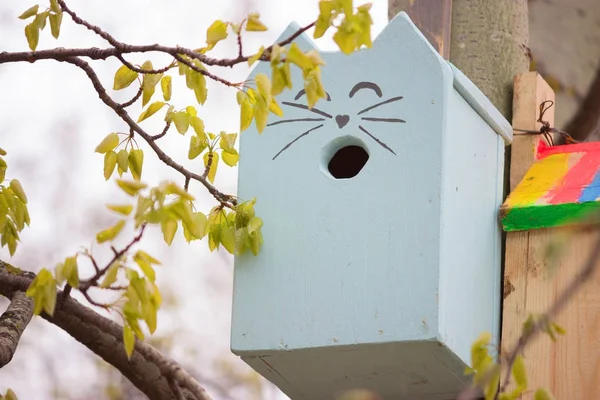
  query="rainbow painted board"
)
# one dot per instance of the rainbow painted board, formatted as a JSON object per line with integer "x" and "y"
{"x": 562, "y": 187}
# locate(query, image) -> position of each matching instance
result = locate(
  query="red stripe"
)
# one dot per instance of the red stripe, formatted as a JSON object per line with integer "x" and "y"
{"x": 580, "y": 176}
{"x": 544, "y": 150}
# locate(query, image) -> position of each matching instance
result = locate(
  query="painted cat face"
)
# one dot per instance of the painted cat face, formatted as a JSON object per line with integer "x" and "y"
{"x": 341, "y": 120}
{"x": 379, "y": 103}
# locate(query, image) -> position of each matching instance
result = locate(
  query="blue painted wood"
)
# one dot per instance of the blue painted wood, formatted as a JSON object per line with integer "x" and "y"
{"x": 382, "y": 280}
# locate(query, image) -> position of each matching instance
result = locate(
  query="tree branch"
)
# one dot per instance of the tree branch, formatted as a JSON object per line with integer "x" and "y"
{"x": 224, "y": 199}
{"x": 12, "y": 324}
{"x": 148, "y": 369}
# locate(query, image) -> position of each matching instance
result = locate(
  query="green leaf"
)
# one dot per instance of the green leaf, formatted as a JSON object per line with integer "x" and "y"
{"x": 55, "y": 22}
{"x": 130, "y": 187}
{"x": 191, "y": 111}
{"x": 55, "y": 7}
{"x": 10, "y": 395}
{"x": 110, "y": 233}
{"x": 149, "y": 82}
{"x": 32, "y": 34}
{"x": 197, "y": 146}
{"x": 110, "y": 161}
{"x": 148, "y": 257}
{"x": 254, "y": 225}
{"x": 227, "y": 141}
{"x": 281, "y": 78}
{"x": 169, "y": 228}
{"x": 182, "y": 121}
{"x": 228, "y": 238}
{"x": 173, "y": 188}
{"x": 123, "y": 210}
{"x": 151, "y": 110}
{"x": 123, "y": 78}
{"x": 165, "y": 86}
{"x": 198, "y": 126}
{"x": 212, "y": 171}
{"x": 246, "y": 100}
{"x": 16, "y": 187}
{"x": 254, "y": 24}
{"x": 71, "y": 271}
{"x": 542, "y": 394}
{"x": 145, "y": 266}
{"x": 128, "y": 340}
{"x": 108, "y": 143}
{"x": 122, "y": 160}
{"x": 297, "y": 56}
{"x": 43, "y": 290}
{"x": 216, "y": 32}
{"x": 325, "y": 19}
{"x": 261, "y": 113}
{"x": 256, "y": 241}
{"x": 40, "y": 20}
{"x": 254, "y": 58}
{"x": 111, "y": 275}
{"x": 30, "y": 12}
{"x": 136, "y": 162}
{"x": 3, "y": 167}
{"x": 2, "y": 152}
{"x": 519, "y": 372}
{"x": 230, "y": 158}
{"x": 313, "y": 87}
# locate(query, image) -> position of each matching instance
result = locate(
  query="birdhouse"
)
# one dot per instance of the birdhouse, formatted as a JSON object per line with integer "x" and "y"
{"x": 381, "y": 257}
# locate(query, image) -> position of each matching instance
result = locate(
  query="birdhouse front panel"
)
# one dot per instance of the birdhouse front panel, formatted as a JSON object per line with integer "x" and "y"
{"x": 350, "y": 195}
{"x": 380, "y": 260}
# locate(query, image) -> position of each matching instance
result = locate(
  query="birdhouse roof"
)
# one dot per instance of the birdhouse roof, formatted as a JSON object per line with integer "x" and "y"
{"x": 562, "y": 187}
{"x": 402, "y": 32}
{"x": 481, "y": 104}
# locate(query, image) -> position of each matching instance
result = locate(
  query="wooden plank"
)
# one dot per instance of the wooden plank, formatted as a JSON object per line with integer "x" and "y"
{"x": 561, "y": 187}
{"x": 532, "y": 281}
{"x": 530, "y": 90}
{"x": 432, "y": 17}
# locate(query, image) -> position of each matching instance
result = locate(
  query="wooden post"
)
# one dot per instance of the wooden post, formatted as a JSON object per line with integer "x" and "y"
{"x": 432, "y": 17}
{"x": 533, "y": 278}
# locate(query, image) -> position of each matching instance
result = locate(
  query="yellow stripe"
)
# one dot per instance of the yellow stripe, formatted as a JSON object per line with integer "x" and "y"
{"x": 541, "y": 177}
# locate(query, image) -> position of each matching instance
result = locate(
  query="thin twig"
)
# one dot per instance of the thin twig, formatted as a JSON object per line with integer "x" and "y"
{"x": 163, "y": 133}
{"x": 85, "y": 285}
{"x": 133, "y": 99}
{"x": 224, "y": 199}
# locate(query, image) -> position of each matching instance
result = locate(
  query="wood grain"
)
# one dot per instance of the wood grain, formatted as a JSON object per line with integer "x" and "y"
{"x": 530, "y": 90}
{"x": 570, "y": 367}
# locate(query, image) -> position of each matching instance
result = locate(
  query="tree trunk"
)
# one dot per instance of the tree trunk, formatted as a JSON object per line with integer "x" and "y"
{"x": 490, "y": 44}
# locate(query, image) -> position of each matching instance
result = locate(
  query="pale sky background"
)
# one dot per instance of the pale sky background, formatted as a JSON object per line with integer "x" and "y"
{"x": 50, "y": 122}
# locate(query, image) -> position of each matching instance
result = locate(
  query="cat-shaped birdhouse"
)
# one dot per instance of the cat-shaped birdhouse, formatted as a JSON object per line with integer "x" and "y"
{"x": 381, "y": 257}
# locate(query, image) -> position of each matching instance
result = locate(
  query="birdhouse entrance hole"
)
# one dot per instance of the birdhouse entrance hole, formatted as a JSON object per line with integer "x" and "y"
{"x": 345, "y": 157}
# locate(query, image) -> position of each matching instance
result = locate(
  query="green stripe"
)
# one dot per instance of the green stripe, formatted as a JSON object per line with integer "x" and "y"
{"x": 547, "y": 216}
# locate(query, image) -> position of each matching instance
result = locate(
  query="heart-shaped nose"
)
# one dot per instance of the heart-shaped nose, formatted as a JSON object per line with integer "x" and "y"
{"x": 342, "y": 120}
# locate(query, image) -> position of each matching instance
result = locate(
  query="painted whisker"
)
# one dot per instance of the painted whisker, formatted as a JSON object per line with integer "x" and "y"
{"x": 295, "y": 120}
{"x": 304, "y": 107}
{"x": 295, "y": 140}
{"x": 383, "y": 119}
{"x": 393, "y": 99}
{"x": 385, "y": 146}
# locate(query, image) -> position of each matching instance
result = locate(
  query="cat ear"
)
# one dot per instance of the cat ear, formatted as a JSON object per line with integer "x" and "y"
{"x": 401, "y": 31}
{"x": 303, "y": 40}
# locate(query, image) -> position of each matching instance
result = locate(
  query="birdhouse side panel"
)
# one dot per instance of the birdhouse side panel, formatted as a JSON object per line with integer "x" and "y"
{"x": 471, "y": 235}
{"x": 347, "y": 259}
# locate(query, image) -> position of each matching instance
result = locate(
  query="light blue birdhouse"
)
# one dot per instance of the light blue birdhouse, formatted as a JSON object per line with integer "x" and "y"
{"x": 381, "y": 257}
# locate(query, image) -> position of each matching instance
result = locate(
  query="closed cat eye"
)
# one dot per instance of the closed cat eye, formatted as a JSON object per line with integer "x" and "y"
{"x": 303, "y": 92}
